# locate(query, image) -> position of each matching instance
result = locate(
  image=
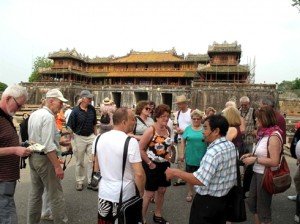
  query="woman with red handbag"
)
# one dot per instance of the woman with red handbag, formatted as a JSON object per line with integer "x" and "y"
{"x": 269, "y": 142}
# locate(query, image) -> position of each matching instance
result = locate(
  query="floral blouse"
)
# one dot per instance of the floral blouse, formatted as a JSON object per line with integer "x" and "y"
{"x": 158, "y": 149}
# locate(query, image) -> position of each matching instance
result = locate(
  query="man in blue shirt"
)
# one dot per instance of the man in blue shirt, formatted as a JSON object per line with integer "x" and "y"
{"x": 215, "y": 176}
{"x": 83, "y": 122}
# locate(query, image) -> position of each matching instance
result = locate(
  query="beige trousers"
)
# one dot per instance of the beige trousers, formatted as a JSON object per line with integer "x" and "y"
{"x": 43, "y": 176}
{"x": 82, "y": 145}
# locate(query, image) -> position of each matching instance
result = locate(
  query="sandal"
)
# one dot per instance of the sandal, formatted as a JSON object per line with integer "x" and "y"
{"x": 189, "y": 198}
{"x": 179, "y": 183}
{"x": 158, "y": 219}
{"x": 152, "y": 200}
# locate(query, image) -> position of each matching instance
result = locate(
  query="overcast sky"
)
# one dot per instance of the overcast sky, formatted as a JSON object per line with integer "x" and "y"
{"x": 268, "y": 30}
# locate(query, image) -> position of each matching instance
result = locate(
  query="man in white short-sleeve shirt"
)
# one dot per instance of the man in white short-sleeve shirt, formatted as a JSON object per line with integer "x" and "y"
{"x": 109, "y": 149}
{"x": 183, "y": 119}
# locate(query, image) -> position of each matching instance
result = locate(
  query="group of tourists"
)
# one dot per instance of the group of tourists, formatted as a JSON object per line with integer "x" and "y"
{"x": 206, "y": 145}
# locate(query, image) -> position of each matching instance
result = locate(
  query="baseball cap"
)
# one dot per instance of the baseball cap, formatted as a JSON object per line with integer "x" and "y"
{"x": 86, "y": 93}
{"x": 55, "y": 93}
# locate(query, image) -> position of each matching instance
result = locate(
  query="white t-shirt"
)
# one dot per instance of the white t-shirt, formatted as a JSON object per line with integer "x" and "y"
{"x": 67, "y": 114}
{"x": 184, "y": 119}
{"x": 297, "y": 149}
{"x": 141, "y": 127}
{"x": 110, "y": 148}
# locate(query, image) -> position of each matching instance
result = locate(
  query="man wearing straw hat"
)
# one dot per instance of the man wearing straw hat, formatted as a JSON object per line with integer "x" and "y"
{"x": 182, "y": 120}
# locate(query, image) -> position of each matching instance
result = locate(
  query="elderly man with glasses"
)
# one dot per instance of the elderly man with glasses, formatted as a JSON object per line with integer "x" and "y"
{"x": 12, "y": 100}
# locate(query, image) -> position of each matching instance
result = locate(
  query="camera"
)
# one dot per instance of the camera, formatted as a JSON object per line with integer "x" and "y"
{"x": 95, "y": 179}
{"x": 65, "y": 153}
{"x": 25, "y": 144}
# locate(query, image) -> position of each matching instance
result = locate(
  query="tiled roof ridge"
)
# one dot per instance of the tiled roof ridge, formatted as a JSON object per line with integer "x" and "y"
{"x": 224, "y": 46}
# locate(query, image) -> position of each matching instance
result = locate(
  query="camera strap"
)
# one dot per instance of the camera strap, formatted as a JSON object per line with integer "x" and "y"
{"x": 95, "y": 153}
{"x": 67, "y": 163}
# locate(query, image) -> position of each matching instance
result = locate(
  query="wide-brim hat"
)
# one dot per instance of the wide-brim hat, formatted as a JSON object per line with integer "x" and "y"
{"x": 107, "y": 101}
{"x": 181, "y": 99}
{"x": 55, "y": 93}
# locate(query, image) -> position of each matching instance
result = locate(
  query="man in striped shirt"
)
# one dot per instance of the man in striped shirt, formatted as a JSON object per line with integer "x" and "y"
{"x": 215, "y": 176}
{"x": 12, "y": 100}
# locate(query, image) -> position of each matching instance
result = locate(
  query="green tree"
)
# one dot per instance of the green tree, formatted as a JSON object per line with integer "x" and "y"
{"x": 40, "y": 62}
{"x": 285, "y": 85}
{"x": 2, "y": 86}
{"x": 296, "y": 84}
{"x": 296, "y": 3}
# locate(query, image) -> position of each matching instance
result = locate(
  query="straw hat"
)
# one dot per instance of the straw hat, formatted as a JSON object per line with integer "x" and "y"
{"x": 107, "y": 101}
{"x": 181, "y": 99}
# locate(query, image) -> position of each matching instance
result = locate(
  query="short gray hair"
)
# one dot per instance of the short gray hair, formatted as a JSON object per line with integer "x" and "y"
{"x": 268, "y": 101}
{"x": 230, "y": 103}
{"x": 197, "y": 113}
{"x": 244, "y": 99}
{"x": 15, "y": 91}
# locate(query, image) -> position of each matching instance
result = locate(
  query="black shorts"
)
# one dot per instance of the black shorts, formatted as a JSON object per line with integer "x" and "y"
{"x": 156, "y": 178}
{"x": 191, "y": 168}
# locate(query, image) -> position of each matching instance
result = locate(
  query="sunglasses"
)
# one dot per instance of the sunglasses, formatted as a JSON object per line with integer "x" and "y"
{"x": 196, "y": 119}
{"x": 18, "y": 105}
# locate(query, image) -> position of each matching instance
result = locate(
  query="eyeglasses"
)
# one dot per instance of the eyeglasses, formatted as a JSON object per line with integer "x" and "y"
{"x": 147, "y": 108}
{"x": 196, "y": 119}
{"x": 18, "y": 105}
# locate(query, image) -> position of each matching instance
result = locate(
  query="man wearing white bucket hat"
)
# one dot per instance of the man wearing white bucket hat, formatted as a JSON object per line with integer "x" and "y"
{"x": 45, "y": 169}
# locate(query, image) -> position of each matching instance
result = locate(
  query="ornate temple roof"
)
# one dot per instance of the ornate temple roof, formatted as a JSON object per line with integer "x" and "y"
{"x": 133, "y": 57}
{"x": 151, "y": 56}
{"x": 67, "y": 54}
{"x": 197, "y": 57}
{"x": 224, "y": 47}
{"x": 223, "y": 69}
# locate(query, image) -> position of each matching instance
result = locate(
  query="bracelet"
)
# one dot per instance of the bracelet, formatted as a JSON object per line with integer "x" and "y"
{"x": 149, "y": 163}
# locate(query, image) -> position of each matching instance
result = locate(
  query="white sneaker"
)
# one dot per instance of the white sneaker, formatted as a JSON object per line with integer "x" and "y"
{"x": 292, "y": 197}
{"x": 296, "y": 218}
{"x": 48, "y": 217}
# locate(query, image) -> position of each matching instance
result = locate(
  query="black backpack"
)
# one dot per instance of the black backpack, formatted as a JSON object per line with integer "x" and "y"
{"x": 296, "y": 138}
{"x": 105, "y": 118}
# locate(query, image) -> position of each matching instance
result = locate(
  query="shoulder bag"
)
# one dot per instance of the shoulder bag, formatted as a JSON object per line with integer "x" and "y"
{"x": 130, "y": 211}
{"x": 96, "y": 176}
{"x": 277, "y": 179}
{"x": 236, "y": 209}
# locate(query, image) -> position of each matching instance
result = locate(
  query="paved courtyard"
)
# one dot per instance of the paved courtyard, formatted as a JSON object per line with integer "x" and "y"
{"x": 82, "y": 206}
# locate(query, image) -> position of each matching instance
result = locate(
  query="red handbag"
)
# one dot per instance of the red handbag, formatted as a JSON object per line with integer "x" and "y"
{"x": 277, "y": 179}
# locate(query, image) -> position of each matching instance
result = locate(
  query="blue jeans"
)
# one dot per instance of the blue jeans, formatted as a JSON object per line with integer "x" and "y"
{"x": 8, "y": 213}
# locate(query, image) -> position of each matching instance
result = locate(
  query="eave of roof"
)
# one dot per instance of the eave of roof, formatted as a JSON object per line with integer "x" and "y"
{"x": 187, "y": 74}
{"x": 224, "y": 69}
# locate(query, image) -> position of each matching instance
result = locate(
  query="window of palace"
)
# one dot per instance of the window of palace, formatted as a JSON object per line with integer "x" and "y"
{"x": 176, "y": 66}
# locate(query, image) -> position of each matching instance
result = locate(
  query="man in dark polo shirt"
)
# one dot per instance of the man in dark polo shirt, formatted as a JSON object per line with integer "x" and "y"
{"x": 12, "y": 100}
{"x": 83, "y": 122}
